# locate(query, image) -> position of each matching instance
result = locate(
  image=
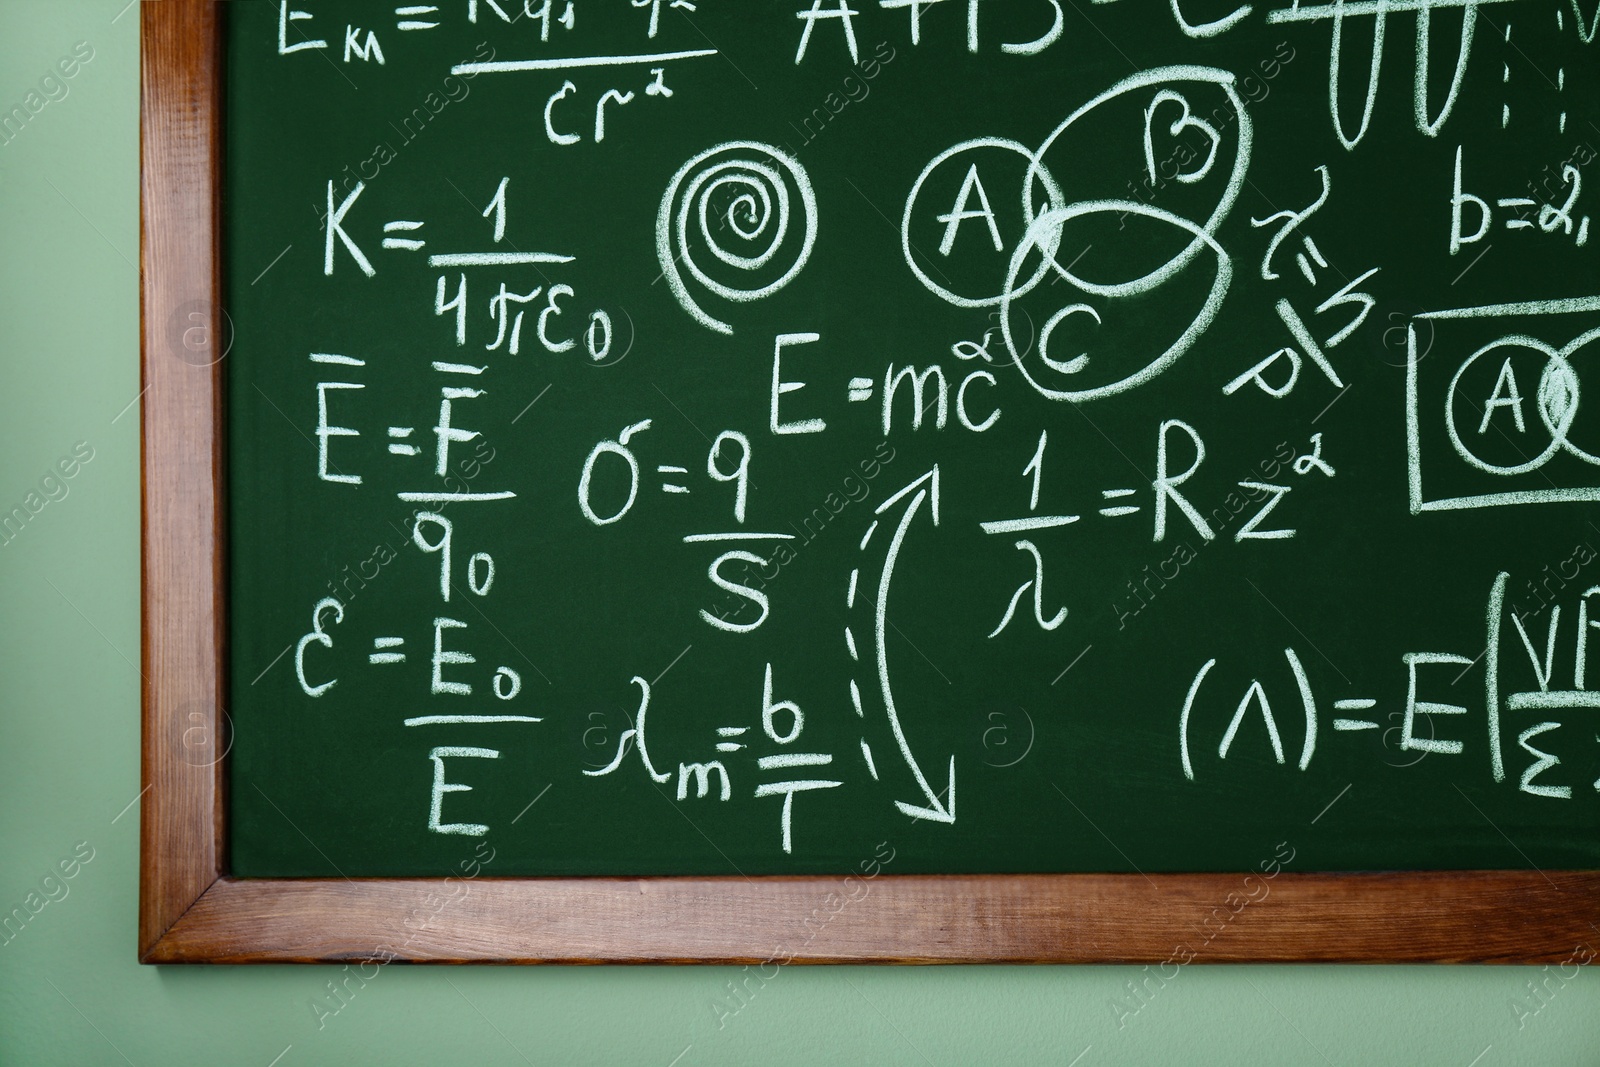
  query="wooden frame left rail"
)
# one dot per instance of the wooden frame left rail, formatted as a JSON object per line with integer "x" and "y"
{"x": 181, "y": 465}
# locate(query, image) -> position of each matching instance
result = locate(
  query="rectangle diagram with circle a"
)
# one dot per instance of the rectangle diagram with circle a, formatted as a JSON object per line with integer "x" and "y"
{"x": 1497, "y": 407}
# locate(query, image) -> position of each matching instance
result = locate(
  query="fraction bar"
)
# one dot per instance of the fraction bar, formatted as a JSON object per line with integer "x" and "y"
{"x": 430, "y": 720}
{"x": 504, "y": 66}
{"x": 494, "y": 259}
{"x": 692, "y": 538}
{"x": 446, "y": 498}
{"x": 1554, "y": 699}
{"x": 1035, "y": 522}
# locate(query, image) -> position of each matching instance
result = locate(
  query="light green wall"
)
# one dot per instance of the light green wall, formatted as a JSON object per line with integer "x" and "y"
{"x": 70, "y": 991}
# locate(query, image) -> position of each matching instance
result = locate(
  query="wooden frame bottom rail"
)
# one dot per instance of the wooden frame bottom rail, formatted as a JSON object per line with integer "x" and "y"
{"x": 1443, "y": 916}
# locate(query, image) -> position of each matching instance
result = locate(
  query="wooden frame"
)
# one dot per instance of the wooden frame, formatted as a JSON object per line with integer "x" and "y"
{"x": 190, "y": 910}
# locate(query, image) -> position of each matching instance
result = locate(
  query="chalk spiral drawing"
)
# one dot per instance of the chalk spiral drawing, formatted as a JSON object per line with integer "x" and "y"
{"x": 736, "y": 202}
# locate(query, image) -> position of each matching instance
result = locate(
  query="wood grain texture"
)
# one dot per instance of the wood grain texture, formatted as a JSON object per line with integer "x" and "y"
{"x": 181, "y": 819}
{"x": 1448, "y": 916}
{"x": 190, "y": 912}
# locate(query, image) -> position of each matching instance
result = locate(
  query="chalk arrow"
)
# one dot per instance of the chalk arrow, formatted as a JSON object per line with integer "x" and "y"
{"x": 924, "y": 488}
{"x": 930, "y": 480}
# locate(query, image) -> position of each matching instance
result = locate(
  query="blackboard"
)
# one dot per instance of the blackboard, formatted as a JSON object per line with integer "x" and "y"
{"x": 789, "y": 439}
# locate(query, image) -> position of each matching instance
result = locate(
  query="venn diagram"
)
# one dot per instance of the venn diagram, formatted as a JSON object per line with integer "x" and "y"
{"x": 1096, "y": 251}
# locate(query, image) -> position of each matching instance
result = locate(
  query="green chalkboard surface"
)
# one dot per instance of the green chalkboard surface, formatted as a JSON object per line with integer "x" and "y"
{"x": 775, "y": 437}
